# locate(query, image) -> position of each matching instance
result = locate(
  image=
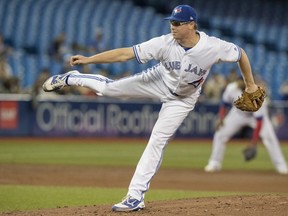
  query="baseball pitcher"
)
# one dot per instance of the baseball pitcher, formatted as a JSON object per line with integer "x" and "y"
{"x": 185, "y": 57}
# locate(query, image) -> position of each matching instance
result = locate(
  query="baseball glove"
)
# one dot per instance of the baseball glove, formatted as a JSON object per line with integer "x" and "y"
{"x": 246, "y": 101}
{"x": 250, "y": 153}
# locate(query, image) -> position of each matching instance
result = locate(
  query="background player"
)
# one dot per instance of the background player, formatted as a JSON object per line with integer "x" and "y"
{"x": 233, "y": 121}
{"x": 186, "y": 56}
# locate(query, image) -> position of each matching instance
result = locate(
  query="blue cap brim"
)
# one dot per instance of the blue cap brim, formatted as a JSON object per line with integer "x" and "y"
{"x": 176, "y": 19}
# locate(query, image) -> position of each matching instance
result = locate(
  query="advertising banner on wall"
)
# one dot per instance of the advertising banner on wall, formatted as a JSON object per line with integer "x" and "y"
{"x": 101, "y": 118}
{"x": 95, "y": 119}
{"x": 114, "y": 119}
{"x": 15, "y": 118}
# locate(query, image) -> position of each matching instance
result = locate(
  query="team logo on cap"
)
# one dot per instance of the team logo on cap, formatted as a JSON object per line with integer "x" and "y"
{"x": 177, "y": 10}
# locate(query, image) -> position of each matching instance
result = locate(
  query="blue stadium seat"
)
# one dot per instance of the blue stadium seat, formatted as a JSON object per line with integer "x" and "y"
{"x": 31, "y": 71}
{"x": 15, "y": 61}
{"x": 4, "y": 8}
{"x": 259, "y": 27}
{"x": 46, "y": 23}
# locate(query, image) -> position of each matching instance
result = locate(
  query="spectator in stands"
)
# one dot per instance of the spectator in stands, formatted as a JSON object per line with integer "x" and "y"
{"x": 42, "y": 76}
{"x": 37, "y": 87}
{"x": 58, "y": 48}
{"x": 5, "y": 49}
{"x": 5, "y": 68}
{"x": 232, "y": 76}
{"x": 8, "y": 82}
{"x": 214, "y": 87}
{"x": 78, "y": 48}
{"x": 284, "y": 91}
{"x": 97, "y": 44}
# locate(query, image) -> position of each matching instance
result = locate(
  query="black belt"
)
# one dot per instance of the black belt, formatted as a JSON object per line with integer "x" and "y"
{"x": 173, "y": 93}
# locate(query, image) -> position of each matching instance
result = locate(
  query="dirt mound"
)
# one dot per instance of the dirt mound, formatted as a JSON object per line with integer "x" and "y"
{"x": 233, "y": 205}
{"x": 262, "y": 205}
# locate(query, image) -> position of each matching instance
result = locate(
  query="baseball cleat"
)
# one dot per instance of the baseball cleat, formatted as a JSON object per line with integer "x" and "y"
{"x": 129, "y": 204}
{"x": 58, "y": 81}
{"x": 212, "y": 168}
{"x": 283, "y": 171}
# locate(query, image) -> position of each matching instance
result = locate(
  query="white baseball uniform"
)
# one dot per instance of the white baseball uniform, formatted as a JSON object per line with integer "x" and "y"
{"x": 236, "y": 120}
{"x": 176, "y": 81}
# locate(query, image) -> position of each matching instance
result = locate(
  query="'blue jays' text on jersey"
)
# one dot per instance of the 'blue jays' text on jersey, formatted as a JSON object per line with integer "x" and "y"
{"x": 185, "y": 71}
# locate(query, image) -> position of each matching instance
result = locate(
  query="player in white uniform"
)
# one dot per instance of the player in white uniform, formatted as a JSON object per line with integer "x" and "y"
{"x": 185, "y": 57}
{"x": 231, "y": 122}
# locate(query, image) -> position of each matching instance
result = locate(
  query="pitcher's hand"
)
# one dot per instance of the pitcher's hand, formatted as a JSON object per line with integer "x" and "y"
{"x": 78, "y": 59}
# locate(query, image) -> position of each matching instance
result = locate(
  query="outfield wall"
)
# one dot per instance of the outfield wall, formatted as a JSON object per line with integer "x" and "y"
{"x": 101, "y": 117}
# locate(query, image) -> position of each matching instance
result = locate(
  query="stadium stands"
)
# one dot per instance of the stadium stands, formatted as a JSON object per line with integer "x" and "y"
{"x": 260, "y": 27}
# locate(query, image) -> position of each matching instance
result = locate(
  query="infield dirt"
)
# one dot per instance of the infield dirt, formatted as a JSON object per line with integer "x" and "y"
{"x": 271, "y": 203}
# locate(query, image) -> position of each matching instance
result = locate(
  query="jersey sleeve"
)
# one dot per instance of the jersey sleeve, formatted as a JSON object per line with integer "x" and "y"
{"x": 228, "y": 52}
{"x": 148, "y": 50}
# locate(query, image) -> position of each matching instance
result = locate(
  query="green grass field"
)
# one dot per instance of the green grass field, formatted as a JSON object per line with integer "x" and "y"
{"x": 179, "y": 154}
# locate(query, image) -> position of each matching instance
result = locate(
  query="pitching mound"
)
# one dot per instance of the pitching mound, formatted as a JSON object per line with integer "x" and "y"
{"x": 270, "y": 183}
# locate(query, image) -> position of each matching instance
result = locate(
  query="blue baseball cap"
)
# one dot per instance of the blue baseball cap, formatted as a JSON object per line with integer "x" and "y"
{"x": 183, "y": 13}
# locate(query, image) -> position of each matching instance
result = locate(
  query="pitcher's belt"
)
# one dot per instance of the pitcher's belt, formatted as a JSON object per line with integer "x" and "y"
{"x": 173, "y": 93}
